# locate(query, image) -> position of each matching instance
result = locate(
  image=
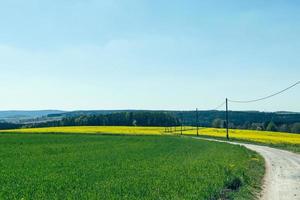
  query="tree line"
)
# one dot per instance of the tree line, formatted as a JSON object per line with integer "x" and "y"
{"x": 250, "y": 120}
{"x": 283, "y": 122}
{"x": 114, "y": 119}
{"x": 265, "y": 126}
{"x": 6, "y": 126}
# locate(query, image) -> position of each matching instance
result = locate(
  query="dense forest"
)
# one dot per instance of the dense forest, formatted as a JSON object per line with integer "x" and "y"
{"x": 277, "y": 121}
{"x": 115, "y": 119}
{"x": 253, "y": 120}
{"x": 5, "y": 125}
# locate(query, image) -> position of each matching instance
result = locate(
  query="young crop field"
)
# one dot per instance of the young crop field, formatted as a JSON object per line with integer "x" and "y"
{"x": 82, "y": 166}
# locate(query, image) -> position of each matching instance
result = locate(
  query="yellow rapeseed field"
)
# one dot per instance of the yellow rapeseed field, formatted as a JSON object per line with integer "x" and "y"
{"x": 250, "y": 135}
{"x": 131, "y": 130}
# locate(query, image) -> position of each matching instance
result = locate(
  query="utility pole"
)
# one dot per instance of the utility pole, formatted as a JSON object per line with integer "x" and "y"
{"x": 227, "y": 121}
{"x": 181, "y": 122}
{"x": 181, "y": 128}
{"x": 197, "y": 120}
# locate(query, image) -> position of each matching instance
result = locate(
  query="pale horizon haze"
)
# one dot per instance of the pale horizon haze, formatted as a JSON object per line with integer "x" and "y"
{"x": 148, "y": 54}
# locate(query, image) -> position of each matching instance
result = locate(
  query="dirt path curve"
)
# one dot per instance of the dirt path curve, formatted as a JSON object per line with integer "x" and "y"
{"x": 282, "y": 178}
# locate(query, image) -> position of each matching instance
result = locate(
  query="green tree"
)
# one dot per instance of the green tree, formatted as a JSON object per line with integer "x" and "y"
{"x": 295, "y": 128}
{"x": 217, "y": 123}
{"x": 272, "y": 126}
{"x": 284, "y": 128}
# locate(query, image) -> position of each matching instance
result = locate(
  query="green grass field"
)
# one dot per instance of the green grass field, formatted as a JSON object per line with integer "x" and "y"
{"x": 68, "y": 166}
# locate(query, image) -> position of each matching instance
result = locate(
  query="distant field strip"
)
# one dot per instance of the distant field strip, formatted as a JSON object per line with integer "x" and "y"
{"x": 130, "y": 130}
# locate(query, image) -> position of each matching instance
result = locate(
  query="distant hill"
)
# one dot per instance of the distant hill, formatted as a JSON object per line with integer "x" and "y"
{"x": 206, "y": 118}
{"x": 89, "y": 112}
{"x": 287, "y": 112}
{"x": 282, "y": 120}
{"x": 15, "y": 116}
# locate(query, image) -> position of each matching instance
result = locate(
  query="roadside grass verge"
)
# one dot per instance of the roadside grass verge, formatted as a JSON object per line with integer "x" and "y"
{"x": 285, "y": 141}
{"x": 283, "y": 146}
{"x": 82, "y": 166}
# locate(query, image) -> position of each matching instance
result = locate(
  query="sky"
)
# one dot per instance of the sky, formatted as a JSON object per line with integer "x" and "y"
{"x": 148, "y": 54}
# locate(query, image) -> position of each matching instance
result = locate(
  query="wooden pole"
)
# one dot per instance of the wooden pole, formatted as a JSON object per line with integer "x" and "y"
{"x": 227, "y": 120}
{"x": 197, "y": 120}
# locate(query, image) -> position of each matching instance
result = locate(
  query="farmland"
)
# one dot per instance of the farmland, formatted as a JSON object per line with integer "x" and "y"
{"x": 85, "y": 166}
{"x": 131, "y": 130}
{"x": 277, "y": 139}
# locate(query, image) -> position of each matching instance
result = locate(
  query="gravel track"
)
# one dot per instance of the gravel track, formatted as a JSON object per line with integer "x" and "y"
{"x": 282, "y": 178}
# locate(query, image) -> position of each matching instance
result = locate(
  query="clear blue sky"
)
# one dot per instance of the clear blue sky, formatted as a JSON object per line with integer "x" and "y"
{"x": 148, "y": 54}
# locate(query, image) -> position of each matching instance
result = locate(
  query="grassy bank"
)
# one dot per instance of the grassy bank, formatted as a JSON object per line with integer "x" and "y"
{"x": 68, "y": 166}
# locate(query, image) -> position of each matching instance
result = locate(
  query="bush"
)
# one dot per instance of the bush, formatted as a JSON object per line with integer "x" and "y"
{"x": 284, "y": 128}
{"x": 272, "y": 127}
{"x": 295, "y": 128}
{"x": 218, "y": 123}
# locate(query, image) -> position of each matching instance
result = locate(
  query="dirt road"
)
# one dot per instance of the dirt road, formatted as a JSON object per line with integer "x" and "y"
{"x": 282, "y": 178}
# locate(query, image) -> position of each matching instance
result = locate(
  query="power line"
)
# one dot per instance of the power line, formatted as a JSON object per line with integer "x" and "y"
{"x": 267, "y": 97}
{"x": 219, "y": 106}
